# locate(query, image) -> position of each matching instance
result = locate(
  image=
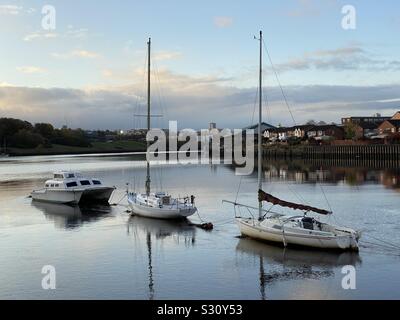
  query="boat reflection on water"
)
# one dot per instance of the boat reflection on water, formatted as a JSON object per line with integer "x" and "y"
{"x": 71, "y": 217}
{"x": 180, "y": 231}
{"x": 293, "y": 263}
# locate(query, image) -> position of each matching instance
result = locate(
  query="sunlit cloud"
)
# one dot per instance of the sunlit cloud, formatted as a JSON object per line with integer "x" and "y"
{"x": 223, "y": 22}
{"x": 166, "y": 55}
{"x": 31, "y": 69}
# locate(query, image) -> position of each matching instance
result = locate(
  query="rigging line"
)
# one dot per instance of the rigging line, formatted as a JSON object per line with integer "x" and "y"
{"x": 384, "y": 241}
{"x": 160, "y": 92}
{"x": 252, "y": 119}
{"x": 296, "y": 194}
{"x": 377, "y": 244}
{"x": 326, "y": 198}
{"x": 280, "y": 85}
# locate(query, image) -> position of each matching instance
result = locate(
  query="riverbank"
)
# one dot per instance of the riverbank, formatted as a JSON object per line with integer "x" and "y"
{"x": 97, "y": 147}
{"x": 362, "y": 151}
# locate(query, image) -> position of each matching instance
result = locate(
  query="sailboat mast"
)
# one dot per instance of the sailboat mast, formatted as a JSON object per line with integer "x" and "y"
{"x": 148, "y": 114}
{"x": 259, "y": 153}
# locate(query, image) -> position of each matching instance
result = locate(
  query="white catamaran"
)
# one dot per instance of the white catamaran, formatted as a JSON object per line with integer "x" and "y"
{"x": 295, "y": 229}
{"x": 158, "y": 205}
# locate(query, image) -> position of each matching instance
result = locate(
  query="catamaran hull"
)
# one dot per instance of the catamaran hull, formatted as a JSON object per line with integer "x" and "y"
{"x": 97, "y": 195}
{"x": 313, "y": 241}
{"x": 60, "y": 197}
{"x": 160, "y": 213}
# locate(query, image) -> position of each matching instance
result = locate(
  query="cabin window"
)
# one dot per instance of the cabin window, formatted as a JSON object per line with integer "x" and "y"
{"x": 96, "y": 182}
{"x": 56, "y": 185}
{"x": 52, "y": 185}
{"x": 47, "y": 186}
{"x": 85, "y": 183}
{"x": 72, "y": 184}
{"x": 58, "y": 176}
{"x": 70, "y": 175}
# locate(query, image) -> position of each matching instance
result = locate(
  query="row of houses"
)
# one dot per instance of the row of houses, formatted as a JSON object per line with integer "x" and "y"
{"x": 317, "y": 132}
{"x": 376, "y": 127}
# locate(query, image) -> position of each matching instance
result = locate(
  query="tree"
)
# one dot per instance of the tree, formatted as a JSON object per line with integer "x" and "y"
{"x": 350, "y": 131}
{"x": 10, "y": 126}
{"x": 26, "y": 139}
{"x": 44, "y": 129}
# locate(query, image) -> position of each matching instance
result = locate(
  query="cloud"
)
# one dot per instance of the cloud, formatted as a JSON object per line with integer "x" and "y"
{"x": 166, "y": 55}
{"x": 76, "y": 53}
{"x": 79, "y": 33}
{"x": 71, "y": 33}
{"x": 339, "y": 59}
{"x": 193, "y": 102}
{"x": 40, "y": 35}
{"x": 31, "y": 69}
{"x": 307, "y": 8}
{"x": 223, "y": 22}
{"x": 8, "y": 9}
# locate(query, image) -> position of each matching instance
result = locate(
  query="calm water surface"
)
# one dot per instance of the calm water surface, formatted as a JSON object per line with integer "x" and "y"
{"x": 105, "y": 253}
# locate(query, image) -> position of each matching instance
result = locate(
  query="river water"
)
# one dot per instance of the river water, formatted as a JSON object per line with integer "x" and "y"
{"x": 105, "y": 253}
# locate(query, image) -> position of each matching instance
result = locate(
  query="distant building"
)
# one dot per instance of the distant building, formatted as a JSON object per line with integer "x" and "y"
{"x": 213, "y": 125}
{"x": 325, "y": 132}
{"x": 356, "y": 120}
{"x": 264, "y": 126}
{"x": 366, "y": 130}
{"x": 389, "y": 127}
{"x": 396, "y": 116}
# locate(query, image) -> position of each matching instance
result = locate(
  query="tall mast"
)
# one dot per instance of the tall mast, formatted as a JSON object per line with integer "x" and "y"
{"x": 260, "y": 131}
{"x": 148, "y": 114}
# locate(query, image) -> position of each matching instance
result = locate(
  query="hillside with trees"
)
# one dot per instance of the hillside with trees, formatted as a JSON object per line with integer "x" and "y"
{"x": 21, "y": 137}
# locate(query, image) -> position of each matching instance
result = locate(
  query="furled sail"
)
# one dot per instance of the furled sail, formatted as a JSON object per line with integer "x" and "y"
{"x": 263, "y": 196}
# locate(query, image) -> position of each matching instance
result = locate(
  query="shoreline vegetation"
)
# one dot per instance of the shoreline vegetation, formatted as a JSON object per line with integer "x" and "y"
{"x": 21, "y": 138}
{"x": 121, "y": 146}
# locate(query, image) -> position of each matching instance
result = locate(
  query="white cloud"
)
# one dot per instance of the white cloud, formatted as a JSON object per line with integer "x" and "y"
{"x": 40, "y": 35}
{"x": 79, "y": 33}
{"x": 8, "y": 9}
{"x": 31, "y": 69}
{"x": 76, "y": 53}
{"x": 166, "y": 55}
{"x": 223, "y": 22}
{"x": 71, "y": 33}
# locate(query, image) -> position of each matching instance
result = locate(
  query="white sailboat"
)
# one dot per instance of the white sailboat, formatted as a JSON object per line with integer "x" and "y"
{"x": 295, "y": 229}
{"x": 159, "y": 205}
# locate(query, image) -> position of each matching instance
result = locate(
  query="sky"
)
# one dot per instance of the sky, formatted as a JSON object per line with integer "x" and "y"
{"x": 89, "y": 71}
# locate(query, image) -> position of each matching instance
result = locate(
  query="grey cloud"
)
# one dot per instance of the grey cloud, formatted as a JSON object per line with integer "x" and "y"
{"x": 340, "y": 59}
{"x": 194, "y": 106}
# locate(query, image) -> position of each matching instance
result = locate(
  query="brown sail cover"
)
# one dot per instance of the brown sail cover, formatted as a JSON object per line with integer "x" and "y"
{"x": 263, "y": 196}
